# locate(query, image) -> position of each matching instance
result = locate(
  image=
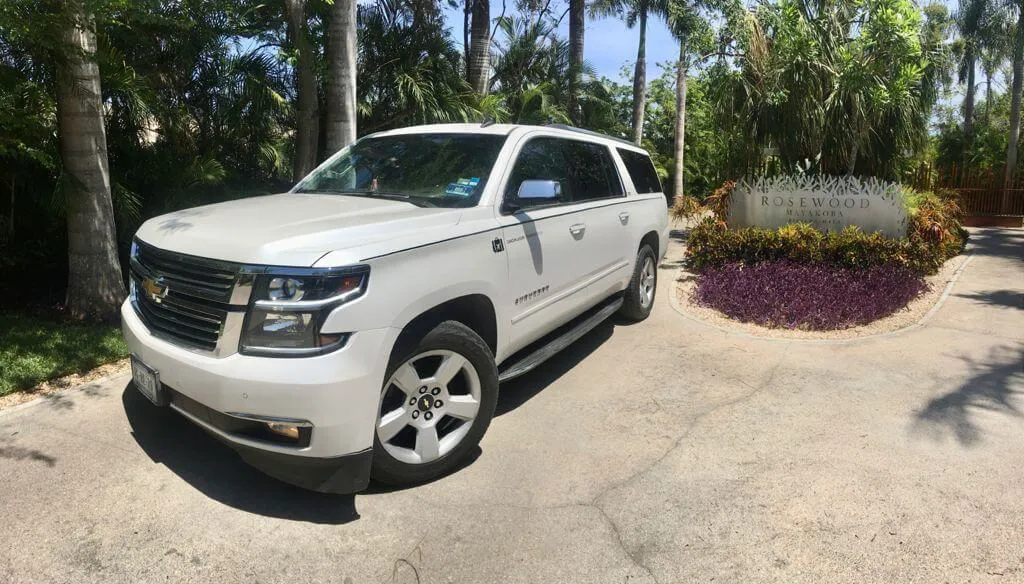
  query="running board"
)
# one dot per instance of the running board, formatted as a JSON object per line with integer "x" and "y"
{"x": 535, "y": 357}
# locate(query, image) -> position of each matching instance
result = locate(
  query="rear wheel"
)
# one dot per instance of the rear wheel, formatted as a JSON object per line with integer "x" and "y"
{"x": 435, "y": 406}
{"x": 639, "y": 297}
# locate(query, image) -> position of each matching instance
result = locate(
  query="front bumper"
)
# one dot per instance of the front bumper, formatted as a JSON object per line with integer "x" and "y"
{"x": 338, "y": 393}
{"x": 349, "y": 473}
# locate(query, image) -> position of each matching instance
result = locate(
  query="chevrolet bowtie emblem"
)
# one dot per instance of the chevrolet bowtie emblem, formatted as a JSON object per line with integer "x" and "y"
{"x": 155, "y": 289}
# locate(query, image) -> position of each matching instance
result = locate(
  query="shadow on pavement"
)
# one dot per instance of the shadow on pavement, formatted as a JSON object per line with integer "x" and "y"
{"x": 20, "y": 453}
{"x": 518, "y": 391}
{"x": 1007, "y": 298}
{"x": 219, "y": 473}
{"x": 993, "y": 386}
{"x": 995, "y": 241}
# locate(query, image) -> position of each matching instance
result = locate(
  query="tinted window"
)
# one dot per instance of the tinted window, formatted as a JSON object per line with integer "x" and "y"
{"x": 585, "y": 171}
{"x": 641, "y": 170}
{"x": 540, "y": 159}
{"x": 592, "y": 171}
{"x": 437, "y": 170}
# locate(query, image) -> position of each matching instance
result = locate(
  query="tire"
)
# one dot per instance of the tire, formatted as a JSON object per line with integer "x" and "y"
{"x": 415, "y": 440}
{"x": 639, "y": 297}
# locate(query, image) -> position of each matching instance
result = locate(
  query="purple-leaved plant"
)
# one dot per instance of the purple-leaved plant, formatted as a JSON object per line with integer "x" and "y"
{"x": 814, "y": 296}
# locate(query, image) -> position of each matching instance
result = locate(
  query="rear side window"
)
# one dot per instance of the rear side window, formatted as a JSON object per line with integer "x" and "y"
{"x": 641, "y": 170}
{"x": 592, "y": 171}
{"x": 584, "y": 170}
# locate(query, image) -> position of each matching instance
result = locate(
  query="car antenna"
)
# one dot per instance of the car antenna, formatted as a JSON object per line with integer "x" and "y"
{"x": 488, "y": 121}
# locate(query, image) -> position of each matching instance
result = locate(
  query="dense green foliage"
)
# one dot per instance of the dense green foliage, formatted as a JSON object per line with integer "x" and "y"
{"x": 840, "y": 87}
{"x": 200, "y": 97}
{"x": 34, "y": 349}
{"x": 986, "y": 151}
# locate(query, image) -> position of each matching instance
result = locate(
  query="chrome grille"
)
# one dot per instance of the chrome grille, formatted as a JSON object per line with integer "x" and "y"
{"x": 182, "y": 298}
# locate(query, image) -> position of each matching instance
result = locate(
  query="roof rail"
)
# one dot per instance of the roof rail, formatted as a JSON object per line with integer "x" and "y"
{"x": 590, "y": 133}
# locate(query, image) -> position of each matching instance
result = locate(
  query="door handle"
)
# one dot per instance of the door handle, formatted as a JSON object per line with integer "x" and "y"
{"x": 624, "y": 217}
{"x": 577, "y": 230}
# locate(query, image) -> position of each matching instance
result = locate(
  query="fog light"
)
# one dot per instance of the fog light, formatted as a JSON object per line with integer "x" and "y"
{"x": 289, "y": 431}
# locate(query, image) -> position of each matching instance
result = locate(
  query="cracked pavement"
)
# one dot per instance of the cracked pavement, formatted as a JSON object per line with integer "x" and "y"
{"x": 666, "y": 451}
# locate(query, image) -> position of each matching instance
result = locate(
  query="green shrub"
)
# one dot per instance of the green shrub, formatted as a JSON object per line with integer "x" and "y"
{"x": 711, "y": 243}
{"x": 934, "y": 235}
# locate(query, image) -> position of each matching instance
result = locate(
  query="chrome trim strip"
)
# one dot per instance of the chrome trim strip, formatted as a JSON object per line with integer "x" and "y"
{"x": 235, "y": 438}
{"x": 230, "y": 334}
{"x": 242, "y": 292}
{"x": 271, "y": 419}
{"x": 294, "y": 352}
{"x": 311, "y": 305}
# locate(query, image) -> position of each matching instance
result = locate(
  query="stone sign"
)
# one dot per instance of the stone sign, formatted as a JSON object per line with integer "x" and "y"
{"x": 828, "y": 203}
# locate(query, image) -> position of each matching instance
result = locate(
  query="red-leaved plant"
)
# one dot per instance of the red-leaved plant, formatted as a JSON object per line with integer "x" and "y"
{"x": 817, "y": 296}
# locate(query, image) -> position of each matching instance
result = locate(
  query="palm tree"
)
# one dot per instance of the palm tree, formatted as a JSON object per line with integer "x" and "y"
{"x": 970, "y": 20}
{"x": 341, "y": 75}
{"x": 307, "y": 118}
{"x": 409, "y": 69}
{"x": 478, "y": 67}
{"x": 996, "y": 44}
{"x": 691, "y": 31}
{"x": 635, "y": 12}
{"x": 95, "y": 288}
{"x": 533, "y": 75}
{"x": 1015, "y": 99}
{"x": 816, "y": 86}
{"x": 577, "y": 24}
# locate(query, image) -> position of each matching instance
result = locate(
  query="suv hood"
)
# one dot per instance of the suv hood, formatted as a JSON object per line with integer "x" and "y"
{"x": 289, "y": 229}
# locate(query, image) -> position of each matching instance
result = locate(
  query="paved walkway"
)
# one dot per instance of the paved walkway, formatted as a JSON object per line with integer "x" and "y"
{"x": 664, "y": 452}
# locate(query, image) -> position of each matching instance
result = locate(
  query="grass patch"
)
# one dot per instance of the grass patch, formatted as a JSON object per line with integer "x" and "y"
{"x": 35, "y": 349}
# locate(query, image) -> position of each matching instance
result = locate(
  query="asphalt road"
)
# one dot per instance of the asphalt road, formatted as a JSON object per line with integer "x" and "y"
{"x": 666, "y": 451}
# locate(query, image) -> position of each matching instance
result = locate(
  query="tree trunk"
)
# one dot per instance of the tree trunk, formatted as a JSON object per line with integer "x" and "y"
{"x": 479, "y": 70}
{"x": 988, "y": 98}
{"x": 969, "y": 104}
{"x": 640, "y": 81}
{"x": 307, "y": 116}
{"x": 678, "y": 183}
{"x": 1015, "y": 97}
{"x": 466, "y": 11}
{"x": 341, "y": 76}
{"x": 95, "y": 288}
{"x": 577, "y": 24}
{"x": 10, "y": 217}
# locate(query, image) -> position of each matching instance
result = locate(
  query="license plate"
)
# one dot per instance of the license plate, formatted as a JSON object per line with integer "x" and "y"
{"x": 147, "y": 381}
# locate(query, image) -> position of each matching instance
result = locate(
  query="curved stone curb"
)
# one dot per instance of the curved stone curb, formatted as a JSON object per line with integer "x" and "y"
{"x": 674, "y": 301}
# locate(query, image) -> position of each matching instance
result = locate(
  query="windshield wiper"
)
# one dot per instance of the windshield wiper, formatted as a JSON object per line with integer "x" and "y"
{"x": 418, "y": 201}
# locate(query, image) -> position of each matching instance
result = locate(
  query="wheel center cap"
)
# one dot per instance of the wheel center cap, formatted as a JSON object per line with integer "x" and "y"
{"x": 425, "y": 403}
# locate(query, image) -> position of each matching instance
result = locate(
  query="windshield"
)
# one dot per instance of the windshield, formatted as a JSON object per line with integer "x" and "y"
{"x": 431, "y": 170}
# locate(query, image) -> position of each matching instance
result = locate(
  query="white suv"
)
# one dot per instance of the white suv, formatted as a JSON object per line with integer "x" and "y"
{"x": 360, "y": 324}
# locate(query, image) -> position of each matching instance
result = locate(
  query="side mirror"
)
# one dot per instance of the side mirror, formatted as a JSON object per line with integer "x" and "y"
{"x": 539, "y": 191}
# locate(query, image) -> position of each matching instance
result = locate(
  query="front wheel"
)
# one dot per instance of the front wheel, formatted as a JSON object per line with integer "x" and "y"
{"x": 639, "y": 297}
{"x": 435, "y": 406}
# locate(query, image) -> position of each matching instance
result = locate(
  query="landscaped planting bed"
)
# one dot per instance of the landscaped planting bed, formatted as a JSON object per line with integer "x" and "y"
{"x": 798, "y": 278}
{"x": 787, "y": 294}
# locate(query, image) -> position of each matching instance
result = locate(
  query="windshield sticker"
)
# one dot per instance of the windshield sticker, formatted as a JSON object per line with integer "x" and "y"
{"x": 457, "y": 190}
{"x": 463, "y": 187}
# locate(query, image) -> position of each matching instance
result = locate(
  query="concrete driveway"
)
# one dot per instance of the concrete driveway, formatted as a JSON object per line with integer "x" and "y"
{"x": 667, "y": 451}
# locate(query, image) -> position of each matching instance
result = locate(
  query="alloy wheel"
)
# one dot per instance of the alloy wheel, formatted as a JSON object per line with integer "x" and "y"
{"x": 428, "y": 406}
{"x": 647, "y": 282}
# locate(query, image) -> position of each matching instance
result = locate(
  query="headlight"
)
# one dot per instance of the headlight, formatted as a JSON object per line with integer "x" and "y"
{"x": 289, "y": 308}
